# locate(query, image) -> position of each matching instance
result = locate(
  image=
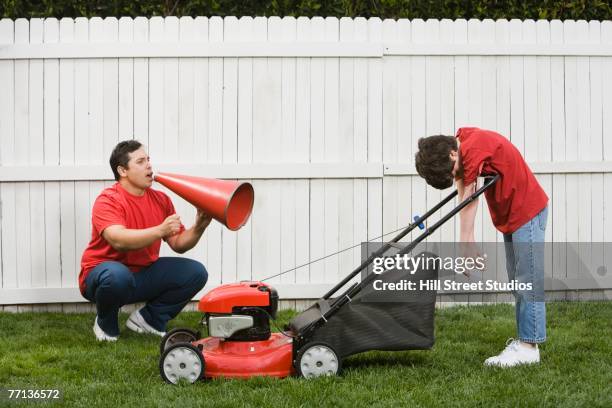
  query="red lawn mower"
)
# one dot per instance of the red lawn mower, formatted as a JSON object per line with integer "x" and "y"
{"x": 240, "y": 343}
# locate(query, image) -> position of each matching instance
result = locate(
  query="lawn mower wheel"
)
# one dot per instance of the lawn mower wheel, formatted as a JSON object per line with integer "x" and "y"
{"x": 178, "y": 335}
{"x": 182, "y": 361}
{"x": 315, "y": 359}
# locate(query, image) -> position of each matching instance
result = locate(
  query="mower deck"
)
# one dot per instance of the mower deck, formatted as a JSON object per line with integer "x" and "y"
{"x": 240, "y": 359}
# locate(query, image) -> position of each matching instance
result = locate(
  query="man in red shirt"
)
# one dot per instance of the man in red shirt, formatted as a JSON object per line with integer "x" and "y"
{"x": 518, "y": 206}
{"x": 121, "y": 264}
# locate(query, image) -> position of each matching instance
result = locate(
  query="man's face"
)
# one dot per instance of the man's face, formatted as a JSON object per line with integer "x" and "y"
{"x": 139, "y": 172}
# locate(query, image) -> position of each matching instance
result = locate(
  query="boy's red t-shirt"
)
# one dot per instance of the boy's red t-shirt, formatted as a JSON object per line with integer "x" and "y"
{"x": 116, "y": 206}
{"x": 517, "y": 196}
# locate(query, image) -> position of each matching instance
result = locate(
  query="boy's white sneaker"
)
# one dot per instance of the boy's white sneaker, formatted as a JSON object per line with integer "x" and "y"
{"x": 100, "y": 335}
{"x": 514, "y": 354}
{"x": 138, "y": 324}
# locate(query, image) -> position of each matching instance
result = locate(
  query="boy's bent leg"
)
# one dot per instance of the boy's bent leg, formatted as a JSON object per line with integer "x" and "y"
{"x": 167, "y": 286}
{"x": 110, "y": 285}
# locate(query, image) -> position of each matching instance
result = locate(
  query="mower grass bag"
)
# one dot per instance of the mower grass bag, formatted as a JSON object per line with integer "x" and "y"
{"x": 377, "y": 319}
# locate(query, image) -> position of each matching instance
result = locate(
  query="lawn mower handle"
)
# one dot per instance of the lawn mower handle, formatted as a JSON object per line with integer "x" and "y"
{"x": 386, "y": 246}
{"x": 353, "y": 290}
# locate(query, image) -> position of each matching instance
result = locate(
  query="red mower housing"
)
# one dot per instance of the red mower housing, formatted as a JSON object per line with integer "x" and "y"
{"x": 242, "y": 294}
{"x": 240, "y": 343}
{"x": 240, "y": 359}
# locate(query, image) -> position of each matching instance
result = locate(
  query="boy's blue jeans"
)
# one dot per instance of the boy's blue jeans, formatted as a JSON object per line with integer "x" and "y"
{"x": 525, "y": 263}
{"x": 166, "y": 286}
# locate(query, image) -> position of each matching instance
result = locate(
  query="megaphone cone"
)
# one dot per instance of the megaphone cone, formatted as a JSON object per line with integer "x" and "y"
{"x": 229, "y": 202}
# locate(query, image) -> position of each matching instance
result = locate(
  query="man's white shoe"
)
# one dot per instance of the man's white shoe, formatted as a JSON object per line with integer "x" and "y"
{"x": 514, "y": 354}
{"x": 100, "y": 335}
{"x": 138, "y": 324}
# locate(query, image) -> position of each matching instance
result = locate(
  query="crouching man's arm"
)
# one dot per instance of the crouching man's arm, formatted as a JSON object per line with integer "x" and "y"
{"x": 126, "y": 239}
{"x": 189, "y": 238}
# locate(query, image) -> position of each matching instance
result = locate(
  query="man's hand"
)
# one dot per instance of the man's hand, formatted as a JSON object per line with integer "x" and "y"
{"x": 190, "y": 237}
{"x": 170, "y": 226}
{"x": 202, "y": 220}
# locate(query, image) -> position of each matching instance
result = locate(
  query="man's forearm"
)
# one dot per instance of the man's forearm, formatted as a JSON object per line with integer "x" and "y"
{"x": 132, "y": 239}
{"x": 187, "y": 239}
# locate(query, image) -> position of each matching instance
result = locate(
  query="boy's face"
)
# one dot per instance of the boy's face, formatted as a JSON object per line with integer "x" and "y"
{"x": 457, "y": 167}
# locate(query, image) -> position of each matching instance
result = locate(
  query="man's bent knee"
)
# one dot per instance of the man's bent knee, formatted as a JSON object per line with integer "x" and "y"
{"x": 199, "y": 275}
{"x": 116, "y": 278}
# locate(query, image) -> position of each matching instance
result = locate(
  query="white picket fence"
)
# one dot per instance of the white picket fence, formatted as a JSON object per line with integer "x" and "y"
{"x": 322, "y": 115}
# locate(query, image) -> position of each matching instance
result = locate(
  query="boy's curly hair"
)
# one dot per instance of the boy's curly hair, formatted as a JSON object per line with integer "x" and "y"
{"x": 433, "y": 162}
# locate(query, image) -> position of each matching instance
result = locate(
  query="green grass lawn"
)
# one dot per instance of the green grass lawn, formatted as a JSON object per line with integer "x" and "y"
{"x": 58, "y": 351}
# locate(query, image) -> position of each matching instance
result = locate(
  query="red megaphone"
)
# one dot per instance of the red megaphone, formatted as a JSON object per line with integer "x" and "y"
{"x": 229, "y": 202}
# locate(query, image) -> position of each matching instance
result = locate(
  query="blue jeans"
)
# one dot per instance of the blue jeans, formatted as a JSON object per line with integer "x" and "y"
{"x": 167, "y": 285}
{"x": 525, "y": 263}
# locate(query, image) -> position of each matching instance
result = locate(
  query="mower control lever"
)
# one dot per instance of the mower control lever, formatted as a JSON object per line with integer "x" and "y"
{"x": 421, "y": 224}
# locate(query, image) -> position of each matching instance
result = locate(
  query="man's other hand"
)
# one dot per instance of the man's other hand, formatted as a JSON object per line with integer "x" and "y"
{"x": 170, "y": 226}
{"x": 202, "y": 220}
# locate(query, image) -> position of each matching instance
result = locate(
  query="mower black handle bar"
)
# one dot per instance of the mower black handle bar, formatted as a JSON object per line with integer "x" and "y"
{"x": 406, "y": 250}
{"x": 388, "y": 245}
{"x": 355, "y": 289}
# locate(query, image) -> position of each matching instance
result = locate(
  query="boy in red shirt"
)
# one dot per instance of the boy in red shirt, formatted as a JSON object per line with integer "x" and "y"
{"x": 121, "y": 264}
{"x": 518, "y": 207}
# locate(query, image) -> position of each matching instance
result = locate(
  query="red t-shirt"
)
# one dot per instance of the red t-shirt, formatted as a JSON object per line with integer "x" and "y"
{"x": 115, "y": 206}
{"x": 517, "y": 196}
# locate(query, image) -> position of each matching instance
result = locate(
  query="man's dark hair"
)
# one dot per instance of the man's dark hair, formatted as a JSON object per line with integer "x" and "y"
{"x": 433, "y": 162}
{"x": 121, "y": 155}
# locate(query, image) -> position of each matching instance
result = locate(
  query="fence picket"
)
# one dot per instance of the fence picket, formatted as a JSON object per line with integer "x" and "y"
{"x": 8, "y": 251}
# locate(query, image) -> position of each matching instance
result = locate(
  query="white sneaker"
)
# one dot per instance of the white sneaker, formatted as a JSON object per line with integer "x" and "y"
{"x": 100, "y": 335}
{"x": 138, "y": 324}
{"x": 515, "y": 353}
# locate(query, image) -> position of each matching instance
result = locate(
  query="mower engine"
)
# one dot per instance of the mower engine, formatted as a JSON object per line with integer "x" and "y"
{"x": 240, "y": 311}
{"x": 239, "y": 344}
